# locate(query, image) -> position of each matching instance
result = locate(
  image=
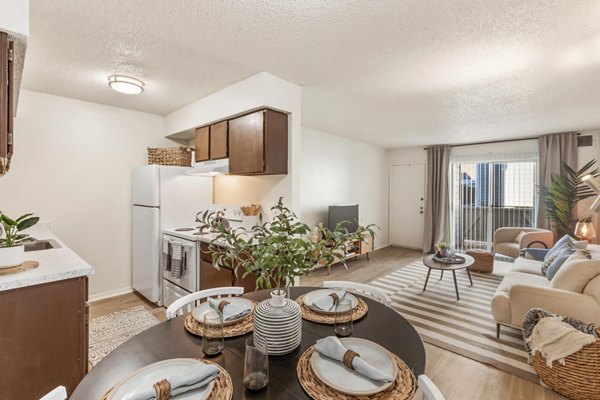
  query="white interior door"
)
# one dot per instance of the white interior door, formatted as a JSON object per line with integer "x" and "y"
{"x": 407, "y": 204}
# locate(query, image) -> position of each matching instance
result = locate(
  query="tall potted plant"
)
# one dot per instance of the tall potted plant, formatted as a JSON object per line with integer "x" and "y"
{"x": 11, "y": 238}
{"x": 277, "y": 252}
{"x": 564, "y": 192}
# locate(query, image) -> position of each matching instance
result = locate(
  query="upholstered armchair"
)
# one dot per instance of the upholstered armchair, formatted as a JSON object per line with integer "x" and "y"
{"x": 505, "y": 240}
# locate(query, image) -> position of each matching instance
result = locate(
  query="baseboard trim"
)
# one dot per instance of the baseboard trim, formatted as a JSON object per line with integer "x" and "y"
{"x": 110, "y": 293}
{"x": 381, "y": 245}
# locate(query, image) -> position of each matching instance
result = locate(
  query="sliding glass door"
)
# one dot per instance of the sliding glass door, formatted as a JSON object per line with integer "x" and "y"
{"x": 489, "y": 192}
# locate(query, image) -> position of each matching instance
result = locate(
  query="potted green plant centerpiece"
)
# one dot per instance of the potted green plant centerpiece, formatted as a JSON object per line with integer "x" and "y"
{"x": 277, "y": 252}
{"x": 11, "y": 238}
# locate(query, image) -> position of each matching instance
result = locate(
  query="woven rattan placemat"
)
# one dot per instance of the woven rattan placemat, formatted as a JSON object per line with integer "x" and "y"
{"x": 238, "y": 329}
{"x": 329, "y": 319}
{"x": 222, "y": 389}
{"x": 404, "y": 387}
{"x": 20, "y": 268}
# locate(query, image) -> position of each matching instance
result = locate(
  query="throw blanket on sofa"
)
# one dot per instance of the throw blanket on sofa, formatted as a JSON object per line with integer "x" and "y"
{"x": 535, "y": 314}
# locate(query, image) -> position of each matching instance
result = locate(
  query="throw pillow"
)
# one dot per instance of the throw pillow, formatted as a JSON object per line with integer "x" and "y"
{"x": 558, "y": 245}
{"x": 580, "y": 244}
{"x": 561, "y": 256}
{"x": 550, "y": 258}
{"x": 575, "y": 274}
{"x": 520, "y": 236}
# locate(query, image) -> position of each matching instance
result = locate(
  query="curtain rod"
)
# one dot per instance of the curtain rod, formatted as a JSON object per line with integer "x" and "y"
{"x": 495, "y": 141}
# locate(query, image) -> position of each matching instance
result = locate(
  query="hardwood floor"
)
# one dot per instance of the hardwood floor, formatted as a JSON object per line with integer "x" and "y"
{"x": 458, "y": 378}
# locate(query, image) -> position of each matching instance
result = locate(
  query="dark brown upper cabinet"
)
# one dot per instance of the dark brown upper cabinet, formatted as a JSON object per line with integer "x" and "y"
{"x": 258, "y": 143}
{"x": 6, "y": 102}
{"x": 212, "y": 142}
{"x": 202, "y": 143}
{"x": 219, "y": 143}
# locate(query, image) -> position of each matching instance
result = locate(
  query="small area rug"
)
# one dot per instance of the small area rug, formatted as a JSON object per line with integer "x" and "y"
{"x": 109, "y": 331}
{"x": 464, "y": 326}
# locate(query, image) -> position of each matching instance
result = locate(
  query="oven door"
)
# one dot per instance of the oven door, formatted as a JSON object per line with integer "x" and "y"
{"x": 189, "y": 279}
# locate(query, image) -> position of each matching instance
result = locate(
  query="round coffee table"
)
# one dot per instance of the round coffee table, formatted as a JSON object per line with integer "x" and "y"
{"x": 430, "y": 263}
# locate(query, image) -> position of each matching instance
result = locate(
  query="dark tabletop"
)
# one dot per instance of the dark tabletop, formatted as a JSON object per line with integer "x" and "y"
{"x": 433, "y": 264}
{"x": 170, "y": 340}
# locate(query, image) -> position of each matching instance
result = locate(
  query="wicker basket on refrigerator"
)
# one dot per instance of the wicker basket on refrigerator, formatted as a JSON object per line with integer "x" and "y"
{"x": 174, "y": 156}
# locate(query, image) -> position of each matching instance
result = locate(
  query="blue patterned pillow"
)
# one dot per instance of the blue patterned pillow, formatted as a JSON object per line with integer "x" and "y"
{"x": 559, "y": 260}
{"x": 558, "y": 245}
{"x": 551, "y": 257}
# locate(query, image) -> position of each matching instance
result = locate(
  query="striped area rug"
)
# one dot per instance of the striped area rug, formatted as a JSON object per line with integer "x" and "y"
{"x": 465, "y": 327}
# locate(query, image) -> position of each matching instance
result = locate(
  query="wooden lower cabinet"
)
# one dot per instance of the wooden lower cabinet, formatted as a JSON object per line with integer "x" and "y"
{"x": 43, "y": 338}
{"x": 211, "y": 277}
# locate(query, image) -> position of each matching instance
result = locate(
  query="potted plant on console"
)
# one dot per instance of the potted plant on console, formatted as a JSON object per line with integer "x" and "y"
{"x": 277, "y": 252}
{"x": 11, "y": 239}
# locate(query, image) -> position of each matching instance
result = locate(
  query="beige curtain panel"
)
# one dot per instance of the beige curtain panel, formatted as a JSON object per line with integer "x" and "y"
{"x": 553, "y": 151}
{"x": 437, "y": 205}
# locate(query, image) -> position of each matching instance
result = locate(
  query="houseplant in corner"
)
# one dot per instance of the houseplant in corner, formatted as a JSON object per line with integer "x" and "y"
{"x": 11, "y": 238}
{"x": 277, "y": 252}
{"x": 564, "y": 192}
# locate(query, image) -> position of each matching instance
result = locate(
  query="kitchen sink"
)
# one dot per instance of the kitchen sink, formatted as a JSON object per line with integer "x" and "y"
{"x": 36, "y": 245}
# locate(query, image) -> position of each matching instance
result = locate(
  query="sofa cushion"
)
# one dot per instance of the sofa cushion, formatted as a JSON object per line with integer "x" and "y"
{"x": 527, "y": 266}
{"x": 575, "y": 274}
{"x": 560, "y": 257}
{"x": 501, "y": 303}
{"x": 593, "y": 288}
{"x": 510, "y": 249}
{"x": 553, "y": 255}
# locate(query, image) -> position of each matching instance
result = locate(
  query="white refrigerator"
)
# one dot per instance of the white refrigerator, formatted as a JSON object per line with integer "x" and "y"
{"x": 163, "y": 198}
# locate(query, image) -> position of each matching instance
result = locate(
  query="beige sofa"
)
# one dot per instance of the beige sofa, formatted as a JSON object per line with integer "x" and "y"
{"x": 504, "y": 240}
{"x": 524, "y": 288}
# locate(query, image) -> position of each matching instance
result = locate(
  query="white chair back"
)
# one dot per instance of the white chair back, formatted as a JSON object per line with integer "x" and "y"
{"x": 59, "y": 393}
{"x": 175, "y": 308}
{"x": 430, "y": 391}
{"x": 360, "y": 288}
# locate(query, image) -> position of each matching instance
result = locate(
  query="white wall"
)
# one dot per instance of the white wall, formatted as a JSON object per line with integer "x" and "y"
{"x": 337, "y": 170}
{"x": 260, "y": 90}
{"x": 72, "y": 166}
{"x": 14, "y": 16}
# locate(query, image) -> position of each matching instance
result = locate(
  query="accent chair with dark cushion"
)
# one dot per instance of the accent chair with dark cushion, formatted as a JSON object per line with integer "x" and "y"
{"x": 510, "y": 241}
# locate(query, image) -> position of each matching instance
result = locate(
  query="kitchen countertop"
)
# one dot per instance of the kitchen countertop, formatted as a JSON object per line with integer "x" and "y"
{"x": 55, "y": 264}
{"x": 206, "y": 237}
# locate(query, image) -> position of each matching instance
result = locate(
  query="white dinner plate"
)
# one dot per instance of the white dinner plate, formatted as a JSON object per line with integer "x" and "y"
{"x": 310, "y": 297}
{"x": 156, "y": 372}
{"x": 335, "y": 375}
{"x": 203, "y": 308}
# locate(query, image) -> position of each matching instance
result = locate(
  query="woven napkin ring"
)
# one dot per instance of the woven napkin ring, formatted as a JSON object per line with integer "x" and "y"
{"x": 222, "y": 305}
{"x": 163, "y": 390}
{"x": 335, "y": 297}
{"x": 348, "y": 357}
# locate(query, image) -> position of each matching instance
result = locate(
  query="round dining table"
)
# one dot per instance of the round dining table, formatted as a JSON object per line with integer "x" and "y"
{"x": 169, "y": 339}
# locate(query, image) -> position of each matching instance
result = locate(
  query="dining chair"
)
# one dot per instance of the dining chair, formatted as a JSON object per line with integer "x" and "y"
{"x": 360, "y": 288}
{"x": 430, "y": 391}
{"x": 59, "y": 393}
{"x": 186, "y": 301}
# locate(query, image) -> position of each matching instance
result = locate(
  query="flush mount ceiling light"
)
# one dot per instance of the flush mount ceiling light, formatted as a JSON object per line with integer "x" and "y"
{"x": 125, "y": 84}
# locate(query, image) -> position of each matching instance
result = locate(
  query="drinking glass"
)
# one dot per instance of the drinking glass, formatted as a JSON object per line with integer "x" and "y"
{"x": 343, "y": 318}
{"x": 212, "y": 338}
{"x": 256, "y": 365}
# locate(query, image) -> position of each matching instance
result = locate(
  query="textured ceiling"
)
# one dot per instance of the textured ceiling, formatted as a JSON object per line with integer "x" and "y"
{"x": 388, "y": 72}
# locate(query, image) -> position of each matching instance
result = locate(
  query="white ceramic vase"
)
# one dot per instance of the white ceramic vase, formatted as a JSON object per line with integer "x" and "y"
{"x": 11, "y": 256}
{"x": 278, "y": 324}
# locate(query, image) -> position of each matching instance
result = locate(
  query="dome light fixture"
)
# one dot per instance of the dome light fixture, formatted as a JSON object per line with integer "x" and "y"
{"x": 125, "y": 84}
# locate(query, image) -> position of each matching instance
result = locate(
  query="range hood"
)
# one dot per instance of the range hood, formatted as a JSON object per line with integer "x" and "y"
{"x": 210, "y": 168}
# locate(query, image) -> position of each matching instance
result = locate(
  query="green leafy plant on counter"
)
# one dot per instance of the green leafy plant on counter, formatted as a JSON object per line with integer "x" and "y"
{"x": 11, "y": 228}
{"x": 564, "y": 192}
{"x": 276, "y": 252}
